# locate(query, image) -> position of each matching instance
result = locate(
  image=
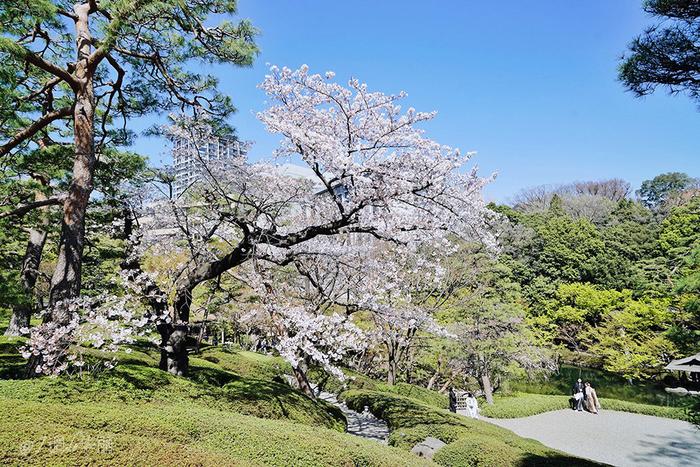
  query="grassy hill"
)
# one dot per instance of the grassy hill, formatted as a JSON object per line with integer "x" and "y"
{"x": 233, "y": 409}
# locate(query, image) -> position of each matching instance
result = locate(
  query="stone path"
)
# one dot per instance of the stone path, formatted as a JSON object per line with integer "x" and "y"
{"x": 364, "y": 425}
{"x": 617, "y": 438}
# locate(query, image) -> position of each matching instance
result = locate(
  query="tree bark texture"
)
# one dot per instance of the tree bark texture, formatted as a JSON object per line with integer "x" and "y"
{"x": 487, "y": 388}
{"x": 65, "y": 283}
{"x": 303, "y": 381}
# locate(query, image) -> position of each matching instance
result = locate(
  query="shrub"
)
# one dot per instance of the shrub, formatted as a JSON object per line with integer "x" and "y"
{"x": 430, "y": 397}
{"x": 477, "y": 452}
{"x": 330, "y": 383}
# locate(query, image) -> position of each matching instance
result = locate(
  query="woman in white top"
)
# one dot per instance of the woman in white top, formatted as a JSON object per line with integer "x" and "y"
{"x": 472, "y": 406}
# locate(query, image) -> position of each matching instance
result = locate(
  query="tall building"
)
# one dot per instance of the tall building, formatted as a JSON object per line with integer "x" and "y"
{"x": 189, "y": 157}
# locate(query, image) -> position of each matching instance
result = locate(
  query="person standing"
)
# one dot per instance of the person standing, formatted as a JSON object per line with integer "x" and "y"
{"x": 579, "y": 395}
{"x": 453, "y": 400}
{"x": 592, "y": 402}
{"x": 472, "y": 406}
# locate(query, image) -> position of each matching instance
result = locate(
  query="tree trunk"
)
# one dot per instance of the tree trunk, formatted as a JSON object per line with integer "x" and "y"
{"x": 447, "y": 384}
{"x": 22, "y": 313}
{"x": 436, "y": 375}
{"x": 173, "y": 354}
{"x": 173, "y": 349}
{"x": 487, "y": 388}
{"x": 172, "y": 341}
{"x": 65, "y": 283}
{"x": 433, "y": 380}
{"x": 30, "y": 268}
{"x": 392, "y": 371}
{"x": 303, "y": 381}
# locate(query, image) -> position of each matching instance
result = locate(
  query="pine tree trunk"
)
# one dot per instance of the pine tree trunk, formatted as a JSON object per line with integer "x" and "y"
{"x": 22, "y": 313}
{"x": 436, "y": 375}
{"x": 65, "y": 283}
{"x": 30, "y": 268}
{"x": 432, "y": 380}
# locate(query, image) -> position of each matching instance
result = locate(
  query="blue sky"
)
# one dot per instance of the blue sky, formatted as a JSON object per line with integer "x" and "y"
{"x": 530, "y": 86}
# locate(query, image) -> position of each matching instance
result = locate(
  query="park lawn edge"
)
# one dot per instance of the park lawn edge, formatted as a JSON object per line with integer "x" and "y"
{"x": 519, "y": 405}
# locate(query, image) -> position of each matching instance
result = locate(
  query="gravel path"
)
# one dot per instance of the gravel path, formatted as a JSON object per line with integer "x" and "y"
{"x": 364, "y": 425}
{"x": 617, "y": 438}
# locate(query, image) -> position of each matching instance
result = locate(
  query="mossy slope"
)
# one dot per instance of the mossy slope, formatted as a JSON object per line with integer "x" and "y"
{"x": 234, "y": 409}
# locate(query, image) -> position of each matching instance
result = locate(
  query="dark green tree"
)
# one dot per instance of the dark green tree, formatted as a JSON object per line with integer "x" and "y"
{"x": 656, "y": 192}
{"x": 488, "y": 319}
{"x": 76, "y": 71}
{"x": 667, "y": 54}
{"x": 40, "y": 175}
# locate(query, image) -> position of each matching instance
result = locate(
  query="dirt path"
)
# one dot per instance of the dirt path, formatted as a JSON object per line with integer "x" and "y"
{"x": 617, "y": 438}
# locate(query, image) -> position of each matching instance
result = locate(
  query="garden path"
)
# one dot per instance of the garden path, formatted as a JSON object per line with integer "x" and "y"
{"x": 617, "y": 438}
{"x": 364, "y": 425}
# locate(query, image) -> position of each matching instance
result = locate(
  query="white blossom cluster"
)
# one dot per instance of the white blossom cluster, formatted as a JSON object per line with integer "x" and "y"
{"x": 324, "y": 339}
{"x": 105, "y": 323}
{"x": 393, "y": 178}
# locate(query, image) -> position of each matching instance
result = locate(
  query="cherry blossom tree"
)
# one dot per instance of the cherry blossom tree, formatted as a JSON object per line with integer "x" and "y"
{"x": 373, "y": 173}
{"x": 104, "y": 322}
{"x": 312, "y": 310}
{"x": 398, "y": 287}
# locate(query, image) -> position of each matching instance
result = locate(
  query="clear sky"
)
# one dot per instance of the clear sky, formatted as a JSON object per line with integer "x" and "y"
{"x": 531, "y": 86}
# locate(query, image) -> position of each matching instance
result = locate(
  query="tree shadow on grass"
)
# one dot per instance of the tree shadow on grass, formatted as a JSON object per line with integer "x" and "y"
{"x": 291, "y": 403}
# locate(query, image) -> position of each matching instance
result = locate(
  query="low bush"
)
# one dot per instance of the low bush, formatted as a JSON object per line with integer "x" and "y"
{"x": 329, "y": 383}
{"x": 476, "y": 451}
{"x": 430, "y": 397}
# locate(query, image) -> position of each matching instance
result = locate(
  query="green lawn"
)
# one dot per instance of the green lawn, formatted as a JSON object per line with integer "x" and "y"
{"x": 94, "y": 433}
{"x": 523, "y": 405}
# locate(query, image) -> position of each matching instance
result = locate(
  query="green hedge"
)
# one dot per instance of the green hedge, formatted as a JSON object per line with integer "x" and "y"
{"x": 432, "y": 398}
{"x": 470, "y": 442}
{"x": 524, "y": 405}
{"x": 477, "y": 451}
